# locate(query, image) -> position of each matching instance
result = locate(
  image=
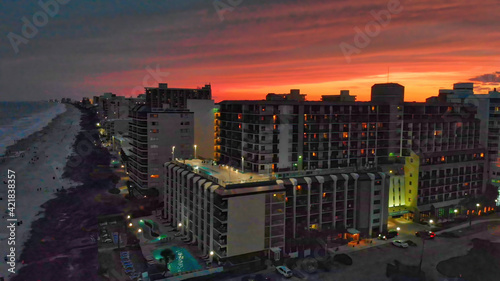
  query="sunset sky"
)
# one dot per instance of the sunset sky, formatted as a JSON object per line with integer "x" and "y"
{"x": 248, "y": 48}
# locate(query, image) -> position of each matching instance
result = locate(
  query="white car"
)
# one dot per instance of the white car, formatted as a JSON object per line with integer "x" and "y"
{"x": 285, "y": 271}
{"x": 400, "y": 244}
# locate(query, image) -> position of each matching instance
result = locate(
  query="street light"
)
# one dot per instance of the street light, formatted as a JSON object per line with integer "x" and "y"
{"x": 173, "y": 153}
{"x": 242, "y": 164}
{"x": 130, "y": 224}
{"x": 128, "y": 217}
{"x": 180, "y": 224}
{"x": 431, "y": 221}
{"x": 211, "y": 253}
{"x": 195, "y": 146}
{"x": 398, "y": 228}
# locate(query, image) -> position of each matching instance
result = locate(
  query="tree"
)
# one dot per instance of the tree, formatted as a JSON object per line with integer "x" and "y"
{"x": 167, "y": 256}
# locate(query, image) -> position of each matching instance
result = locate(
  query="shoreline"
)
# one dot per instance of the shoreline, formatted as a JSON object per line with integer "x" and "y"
{"x": 38, "y": 173}
{"x": 62, "y": 243}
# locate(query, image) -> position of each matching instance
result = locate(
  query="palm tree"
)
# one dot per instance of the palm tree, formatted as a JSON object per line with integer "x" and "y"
{"x": 167, "y": 256}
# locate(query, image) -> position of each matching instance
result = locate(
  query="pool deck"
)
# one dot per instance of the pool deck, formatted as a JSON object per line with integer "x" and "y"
{"x": 147, "y": 248}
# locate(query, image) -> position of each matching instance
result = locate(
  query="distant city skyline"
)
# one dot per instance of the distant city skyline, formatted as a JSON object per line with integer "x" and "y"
{"x": 247, "y": 49}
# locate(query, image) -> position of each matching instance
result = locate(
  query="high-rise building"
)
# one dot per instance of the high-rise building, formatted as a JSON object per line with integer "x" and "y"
{"x": 163, "y": 126}
{"x": 282, "y": 136}
{"x": 237, "y": 215}
{"x": 157, "y": 136}
{"x": 488, "y": 112}
{"x": 175, "y": 97}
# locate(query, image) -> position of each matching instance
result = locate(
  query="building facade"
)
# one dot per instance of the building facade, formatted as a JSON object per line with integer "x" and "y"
{"x": 282, "y": 136}
{"x": 157, "y": 136}
{"x": 233, "y": 214}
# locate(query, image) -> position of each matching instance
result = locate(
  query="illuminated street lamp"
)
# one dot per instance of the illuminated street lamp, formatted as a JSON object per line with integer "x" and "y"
{"x": 130, "y": 224}
{"x": 128, "y": 217}
{"x": 180, "y": 224}
{"x": 195, "y": 146}
{"x": 431, "y": 221}
{"x": 211, "y": 253}
{"x": 139, "y": 230}
{"x": 173, "y": 153}
{"x": 398, "y": 228}
{"x": 242, "y": 164}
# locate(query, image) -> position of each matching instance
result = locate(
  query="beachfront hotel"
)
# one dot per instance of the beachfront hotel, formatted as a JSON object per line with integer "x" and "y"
{"x": 488, "y": 112}
{"x": 173, "y": 124}
{"x": 435, "y": 146}
{"x": 157, "y": 136}
{"x": 233, "y": 215}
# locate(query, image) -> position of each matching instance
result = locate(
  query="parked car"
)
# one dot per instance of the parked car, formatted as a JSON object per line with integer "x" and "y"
{"x": 425, "y": 234}
{"x": 107, "y": 240}
{"x": 388, "y": 235}
{"x": 285, "y": 271}
{"x": 400, "y": 244}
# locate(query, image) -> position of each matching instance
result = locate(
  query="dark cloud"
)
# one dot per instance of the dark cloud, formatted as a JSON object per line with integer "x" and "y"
{"x": 488, "y": 79}
{"x": 96, "y": 46}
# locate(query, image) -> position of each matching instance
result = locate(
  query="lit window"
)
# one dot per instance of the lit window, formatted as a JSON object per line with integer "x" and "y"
{"x": 240, "y": 116}
{"x": 345, "y": 135}
{"x": 324, "y": 194}
{"x": 155, "y": 176}
{"x": 299, "y": 187}
{"x": 314, "y": 154}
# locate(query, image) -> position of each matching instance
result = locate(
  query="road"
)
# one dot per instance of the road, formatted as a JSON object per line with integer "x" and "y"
{"x": 370, "y": 262}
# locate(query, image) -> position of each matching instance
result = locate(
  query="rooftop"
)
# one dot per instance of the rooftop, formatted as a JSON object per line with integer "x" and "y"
{"x": 224, "y": 175}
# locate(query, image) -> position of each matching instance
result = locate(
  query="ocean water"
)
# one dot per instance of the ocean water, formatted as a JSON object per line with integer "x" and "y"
{"x": 18, "y": 120}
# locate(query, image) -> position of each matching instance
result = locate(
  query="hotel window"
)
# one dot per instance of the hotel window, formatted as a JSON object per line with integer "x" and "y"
{"x": 376, "y": 202}
{"x": 377, "y": 211}
{"x": 345, "y": 135}
{"x": 377, "y": 192}
{"x": 240, "y": 116}
{"x": 155, "y": 176}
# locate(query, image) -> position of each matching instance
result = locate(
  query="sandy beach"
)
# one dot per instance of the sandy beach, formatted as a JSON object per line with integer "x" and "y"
{"x": 38, "y": 162}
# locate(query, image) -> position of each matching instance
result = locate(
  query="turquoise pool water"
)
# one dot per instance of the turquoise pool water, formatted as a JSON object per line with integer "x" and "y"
{"x": 183, "y": 262}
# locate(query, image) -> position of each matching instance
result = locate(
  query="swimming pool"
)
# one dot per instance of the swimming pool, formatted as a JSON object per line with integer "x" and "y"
{"x": 183, "y": 262}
